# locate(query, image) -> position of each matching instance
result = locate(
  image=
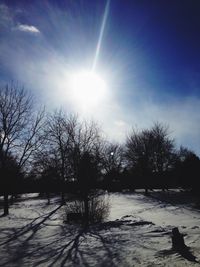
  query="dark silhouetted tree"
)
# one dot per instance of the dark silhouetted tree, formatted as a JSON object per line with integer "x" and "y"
{"x": 10, "y": 176}
{"x": 60, "y": 133}
{"x": 87, "y": 176}
{"x": 86, "y": 162}
{"x": 188, "y": 169}
{"x": 150, "y": 152}
{"x": 113, "y": 163}
{"x": 19, "y": 128}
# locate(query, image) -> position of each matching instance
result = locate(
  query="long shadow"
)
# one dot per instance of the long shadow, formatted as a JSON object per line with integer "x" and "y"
{"x": 75, "y": 254}
{"x": 185, "y": 253}
{"x": 34, "y": 227}
{"x": 66, "y": 246}
{"x": 68, "y": 251}
{"x": 73, "y": 251}
{"x": 31, "y": 227}
{"x": 22, "y": 254}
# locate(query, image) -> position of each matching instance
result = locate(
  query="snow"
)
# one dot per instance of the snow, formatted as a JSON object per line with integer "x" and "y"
{"x": 162, "y": 214}
{"x": 136, "y": 233}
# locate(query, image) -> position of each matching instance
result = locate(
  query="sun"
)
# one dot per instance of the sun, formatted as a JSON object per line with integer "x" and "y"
{"x": 87, "y": 88}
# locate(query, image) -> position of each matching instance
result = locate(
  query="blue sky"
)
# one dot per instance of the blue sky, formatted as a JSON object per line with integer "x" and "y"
{"x": 149, "y": 57}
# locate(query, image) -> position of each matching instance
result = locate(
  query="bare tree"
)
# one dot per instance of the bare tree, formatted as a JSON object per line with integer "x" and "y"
{"x": 163, "y": 156}
{"x": 113, "y": 157}
{"x": 138, "y": 150}
{"x": 60, "y": 133}
{"x": 150, "y": 151}
{"x": 113, "y": 164}
{"x": 77, "y": 148}
{"x": 19, "y": 128}
{"x": 86, "y": 153}
{"x": 86, "y": 139}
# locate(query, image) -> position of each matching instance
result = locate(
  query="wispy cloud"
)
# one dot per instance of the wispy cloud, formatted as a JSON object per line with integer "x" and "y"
{"x": 6, "y": 17}
{"x": 27, "y": 28}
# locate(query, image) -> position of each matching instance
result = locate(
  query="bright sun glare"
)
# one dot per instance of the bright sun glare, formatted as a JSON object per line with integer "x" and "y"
{"x": 87, "y": 88}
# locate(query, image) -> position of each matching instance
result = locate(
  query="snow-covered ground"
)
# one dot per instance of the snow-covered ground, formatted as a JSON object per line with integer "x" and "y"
{"x": 137, "y": 233}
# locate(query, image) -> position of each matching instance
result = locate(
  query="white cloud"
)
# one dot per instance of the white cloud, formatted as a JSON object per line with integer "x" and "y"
{"x": 27, "y": 28}
{"x": 8, "y": 20}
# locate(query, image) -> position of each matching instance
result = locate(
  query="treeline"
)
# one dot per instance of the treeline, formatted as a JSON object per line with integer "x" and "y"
{"x": 56, "y": 152}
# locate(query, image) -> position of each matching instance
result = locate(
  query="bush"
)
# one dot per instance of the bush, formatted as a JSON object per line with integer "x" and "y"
{"x": 98, "y": 210}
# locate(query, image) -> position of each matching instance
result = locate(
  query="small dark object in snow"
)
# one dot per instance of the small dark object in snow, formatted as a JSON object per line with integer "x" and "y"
{"x": 179, "y": 246}
{"x": 177, "y": 239}
{"x": 141, "y": 223}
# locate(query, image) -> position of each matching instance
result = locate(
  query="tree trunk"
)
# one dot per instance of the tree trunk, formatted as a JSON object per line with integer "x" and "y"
{"x": 6, "y": 206}
{"x": 62, "y": 198}
{"x": 86, "y": 204}
{"x": 12, "y": 199}
{"x": 48, "y": 198}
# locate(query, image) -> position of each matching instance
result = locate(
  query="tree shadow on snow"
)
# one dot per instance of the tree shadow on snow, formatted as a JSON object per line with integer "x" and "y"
{"x": 76, "y": 251}
{"x": 69, "y": 244}
{"x": 33, "y": 227}
{"x": 185, "y": 253}
{"x": 66, "y": 244}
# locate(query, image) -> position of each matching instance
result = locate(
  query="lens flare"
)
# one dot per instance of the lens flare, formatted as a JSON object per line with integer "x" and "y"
{"x": 87, "y": 89}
